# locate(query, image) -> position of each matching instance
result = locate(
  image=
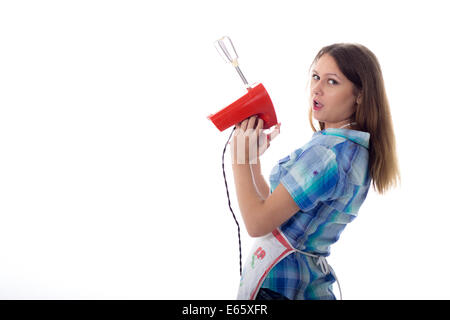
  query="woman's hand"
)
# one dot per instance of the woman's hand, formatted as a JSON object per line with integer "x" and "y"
{"x": 249, "y": 141}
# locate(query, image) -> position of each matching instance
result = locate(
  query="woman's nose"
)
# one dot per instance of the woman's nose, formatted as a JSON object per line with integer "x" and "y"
{"x": 316, "y": 87}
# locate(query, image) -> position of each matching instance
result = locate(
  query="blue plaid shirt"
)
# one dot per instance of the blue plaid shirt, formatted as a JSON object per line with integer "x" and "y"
{"x": 329, "y": 179}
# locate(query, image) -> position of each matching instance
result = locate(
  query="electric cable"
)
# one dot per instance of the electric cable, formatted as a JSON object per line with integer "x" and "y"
{"x": 229, "y": 202}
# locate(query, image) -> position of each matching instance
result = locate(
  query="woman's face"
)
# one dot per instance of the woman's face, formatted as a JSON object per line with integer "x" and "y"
{"x": 334, "y": 93}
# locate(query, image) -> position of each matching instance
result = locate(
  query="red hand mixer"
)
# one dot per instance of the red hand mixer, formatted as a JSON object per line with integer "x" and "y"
{"x": 255, "y": 102}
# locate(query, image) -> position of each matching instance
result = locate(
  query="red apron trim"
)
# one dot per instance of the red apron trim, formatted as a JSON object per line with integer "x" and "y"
{"x": 280, "y": 237}
{"x": 289, "y": 249}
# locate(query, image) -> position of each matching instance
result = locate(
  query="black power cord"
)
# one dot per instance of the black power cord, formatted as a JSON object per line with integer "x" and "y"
{"x": 229, "y": 202}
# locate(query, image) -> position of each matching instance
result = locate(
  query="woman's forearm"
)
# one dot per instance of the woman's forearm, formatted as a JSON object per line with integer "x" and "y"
{"x": 260, "y": 183}
{"x": 250, "y": 203}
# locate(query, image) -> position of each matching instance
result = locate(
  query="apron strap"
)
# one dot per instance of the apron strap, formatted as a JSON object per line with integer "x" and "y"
{"x": 322, "y": 263}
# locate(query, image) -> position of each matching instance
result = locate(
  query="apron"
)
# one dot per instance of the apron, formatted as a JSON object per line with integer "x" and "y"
{"x": 267, "y": 251}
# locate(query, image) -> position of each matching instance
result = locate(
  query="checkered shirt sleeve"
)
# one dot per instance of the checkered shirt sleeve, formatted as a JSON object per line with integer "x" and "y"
{"x": 313, "y": 177}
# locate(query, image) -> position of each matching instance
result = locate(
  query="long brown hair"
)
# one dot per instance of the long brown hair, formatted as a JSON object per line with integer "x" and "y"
{"x": 373, "y": 114}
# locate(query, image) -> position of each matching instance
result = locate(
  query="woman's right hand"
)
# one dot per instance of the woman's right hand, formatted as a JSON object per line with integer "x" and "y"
{"x": 267, "y": 137}
{"x": 251, "y": 135}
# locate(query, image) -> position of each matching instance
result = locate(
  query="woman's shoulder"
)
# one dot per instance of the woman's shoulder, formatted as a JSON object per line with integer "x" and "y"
{"x": 348, "y": 152}
{"x": 329, "y": 145}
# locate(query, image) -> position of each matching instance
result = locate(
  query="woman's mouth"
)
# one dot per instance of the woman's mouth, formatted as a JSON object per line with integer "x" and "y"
{"x": 317, "y": 105}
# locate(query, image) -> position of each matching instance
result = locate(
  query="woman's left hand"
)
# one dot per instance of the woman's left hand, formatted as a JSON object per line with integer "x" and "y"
{"x": 249, "y": 141}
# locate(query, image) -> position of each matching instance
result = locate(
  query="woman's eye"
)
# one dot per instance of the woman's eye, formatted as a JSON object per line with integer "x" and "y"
{"x": 334, "y": 81}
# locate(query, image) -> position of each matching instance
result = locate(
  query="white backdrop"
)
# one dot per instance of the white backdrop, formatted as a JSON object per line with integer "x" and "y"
{"x": 111, "y": 183}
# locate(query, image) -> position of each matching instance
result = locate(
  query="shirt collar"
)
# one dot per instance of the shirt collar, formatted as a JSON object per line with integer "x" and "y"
{"x": 359, "y": 137}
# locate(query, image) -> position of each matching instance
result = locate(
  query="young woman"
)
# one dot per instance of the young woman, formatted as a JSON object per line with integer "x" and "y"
{"x": 316, "y": 190}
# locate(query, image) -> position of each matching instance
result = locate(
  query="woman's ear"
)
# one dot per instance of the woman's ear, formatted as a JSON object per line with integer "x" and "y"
{"x": 359, "y": 98}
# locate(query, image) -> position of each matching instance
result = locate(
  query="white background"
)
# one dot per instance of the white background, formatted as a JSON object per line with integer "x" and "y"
{"x": 111, "y": 183}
